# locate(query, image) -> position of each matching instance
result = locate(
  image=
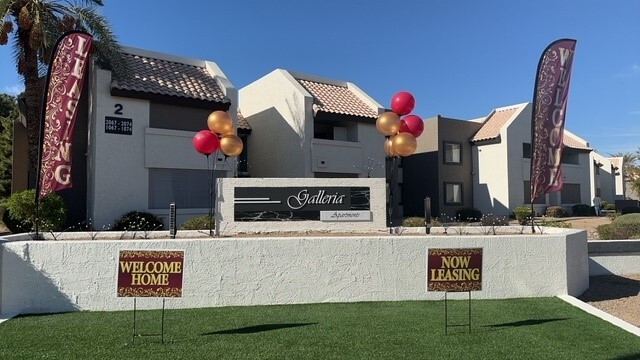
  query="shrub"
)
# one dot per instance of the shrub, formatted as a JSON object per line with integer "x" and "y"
{"x": 413, "y": 221}
{"x": 556, "y": 223}
{"x": 15, "y": 226}
{"x": 468, "y": 214}
{"x": 523, "y": 213}
{"x": 21, "y": 209}
{"x": 581, "y": 210}
{"x": 608, "y": 206}
{"x": 494, "y": 220}
{"x": 630, "y": 210}
{"x": 622, "y": 227}
{"x": 138, "y": 221}
{"x": 196, "y": 223}
{"x": 556, "y": 212}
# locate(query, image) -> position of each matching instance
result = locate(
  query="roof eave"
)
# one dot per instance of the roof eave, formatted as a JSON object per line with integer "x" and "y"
{"x": 171, "y": 100}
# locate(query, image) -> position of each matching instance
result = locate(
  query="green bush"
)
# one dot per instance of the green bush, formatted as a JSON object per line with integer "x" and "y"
{"x": 608, "y": 206}
{"x": 556, "y": 212}
{"x": 523, "y": 214}
{"x": 622, "y": 227}
{"x": 138, "y": 221}
{"x": 15, "y": 226}
{"x": 581, "y": 210}
{"x": 494, "y": 220}
{"x": 196, "y": 223}
{"x": 21, "y": 209}
{"x": 556, "y": 223}
{"x": 468, "y": 214}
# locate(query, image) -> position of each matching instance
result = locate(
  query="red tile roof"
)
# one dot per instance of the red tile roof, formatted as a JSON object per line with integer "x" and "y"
{"x": 169, "y": 78}
{"x": 499, "y": 117}
{"x": 337, "y": 99}
{"x": 495, "y": 121}
{"x": 572, "y": 141}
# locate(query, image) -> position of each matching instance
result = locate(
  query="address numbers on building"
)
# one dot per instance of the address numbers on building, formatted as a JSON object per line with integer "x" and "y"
{"x": 118, "y": 125}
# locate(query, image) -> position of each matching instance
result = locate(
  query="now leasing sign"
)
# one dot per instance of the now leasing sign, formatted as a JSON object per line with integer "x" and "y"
{"x": 454, "y": 270}
{"x": 150, "y": 273}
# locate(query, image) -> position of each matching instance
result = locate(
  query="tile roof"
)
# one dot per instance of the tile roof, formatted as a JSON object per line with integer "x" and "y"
{"x": 337, "y": 99}
{"x": 492, "y": 125}
{"x": 242, "y": 122}
{"x": 156, "y": 76}
{"x": 499, "y": 117}
{"x": 572, "y": 141}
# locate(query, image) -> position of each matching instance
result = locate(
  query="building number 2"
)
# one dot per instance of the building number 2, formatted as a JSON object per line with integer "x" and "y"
{"x": 118, "y": 110}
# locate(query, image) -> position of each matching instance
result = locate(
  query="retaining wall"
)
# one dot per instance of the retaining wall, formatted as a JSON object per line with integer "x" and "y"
{"x": 57, "y": 276}
{"x": 614, "y": 257}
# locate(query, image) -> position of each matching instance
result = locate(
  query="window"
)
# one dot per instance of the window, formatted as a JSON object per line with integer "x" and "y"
{"x": 570, "y": 156}
{"x": 189, "y": 189}
{"x": 527, "y": 194}
{"x": 526, "y": 150}
{"x": 570, "y": 194}
{"x": 452, "y": 153}
{"x": 453, "y": 193}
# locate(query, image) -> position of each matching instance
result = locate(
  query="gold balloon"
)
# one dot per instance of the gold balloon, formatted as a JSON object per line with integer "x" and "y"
{"x": 388, "y": 148}
{"x": 404, "y": 144}
{"x": 220, "y": 122}
{"x": 231, "y": 145}
{"x": 388, "y": 123}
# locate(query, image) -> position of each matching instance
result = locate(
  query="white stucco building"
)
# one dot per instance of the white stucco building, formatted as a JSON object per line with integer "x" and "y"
{"x": 140, "y": 152}
{"x": 308, "y": 126}
{"x": 501, "y": 160}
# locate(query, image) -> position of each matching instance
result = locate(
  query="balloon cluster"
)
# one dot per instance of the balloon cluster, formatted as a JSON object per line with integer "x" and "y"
{"x": 219, "y": 136}
{"x": 400, "y": 133}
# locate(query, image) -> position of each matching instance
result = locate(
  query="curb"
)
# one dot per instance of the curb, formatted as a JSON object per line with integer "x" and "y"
{"x": 601, "y": 314}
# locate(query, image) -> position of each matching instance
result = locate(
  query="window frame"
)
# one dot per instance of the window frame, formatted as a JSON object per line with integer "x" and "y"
{"x": 444, "y": 154}
{"x": 446, "y": 198}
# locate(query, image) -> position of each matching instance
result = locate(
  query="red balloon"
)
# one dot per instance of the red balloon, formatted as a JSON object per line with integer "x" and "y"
{"x": 412, "y": 124}
{"x": 206, "y": 142}
{"x": 402, "y": 103}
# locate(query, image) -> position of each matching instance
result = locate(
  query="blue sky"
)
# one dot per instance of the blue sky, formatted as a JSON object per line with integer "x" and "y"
{"x": 458, "y": 58}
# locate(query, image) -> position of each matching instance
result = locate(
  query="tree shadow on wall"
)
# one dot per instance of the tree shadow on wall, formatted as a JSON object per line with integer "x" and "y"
{"x": 27, "y": 290}
{"x": 610, "y": 287}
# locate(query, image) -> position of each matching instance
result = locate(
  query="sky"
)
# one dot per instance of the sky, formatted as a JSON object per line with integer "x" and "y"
{"x": 459, "y": 58}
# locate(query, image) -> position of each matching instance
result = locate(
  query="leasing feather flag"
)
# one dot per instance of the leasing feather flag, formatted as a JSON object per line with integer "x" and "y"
{"x": 547, "y": 123}
{"x": 64, "y": 86}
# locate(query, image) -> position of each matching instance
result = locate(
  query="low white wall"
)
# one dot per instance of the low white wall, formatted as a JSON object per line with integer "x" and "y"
{"x": 55, "y": 276}
{"x": 614, "y": 257}
{"x": 225, "y": 224}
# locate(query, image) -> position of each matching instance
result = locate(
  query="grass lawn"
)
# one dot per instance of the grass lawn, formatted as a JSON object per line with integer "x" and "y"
{"x": 540, "y": 328}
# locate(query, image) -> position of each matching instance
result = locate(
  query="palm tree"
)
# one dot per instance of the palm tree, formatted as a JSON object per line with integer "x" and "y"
{"x": 36, "y": 25}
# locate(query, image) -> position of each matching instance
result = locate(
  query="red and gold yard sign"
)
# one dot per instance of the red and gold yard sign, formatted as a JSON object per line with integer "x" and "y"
{"x": 454, "y": 269}
{"x": 150, "y": 273}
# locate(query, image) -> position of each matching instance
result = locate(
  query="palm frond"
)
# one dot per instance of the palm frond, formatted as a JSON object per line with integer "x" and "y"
{"x": 5, "y": 8}
{"x": 107, "y": 49}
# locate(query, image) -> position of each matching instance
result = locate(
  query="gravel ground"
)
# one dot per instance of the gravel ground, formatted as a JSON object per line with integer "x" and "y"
{"x": 616, "y": 295}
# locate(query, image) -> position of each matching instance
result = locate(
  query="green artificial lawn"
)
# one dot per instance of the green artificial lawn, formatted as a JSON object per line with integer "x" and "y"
{"x": 535, "y": 328}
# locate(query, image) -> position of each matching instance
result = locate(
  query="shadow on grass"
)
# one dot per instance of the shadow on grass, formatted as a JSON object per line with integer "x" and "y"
{"x": 525, "y": 323}
{"x": 257, "y": 328}
{"x": 610, "y": 287}
{"x": 635, "y": 356}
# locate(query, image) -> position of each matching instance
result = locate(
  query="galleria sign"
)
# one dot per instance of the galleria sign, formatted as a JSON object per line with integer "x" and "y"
{"x": 303, "y": 198}
{"x": 346, "y": 203}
